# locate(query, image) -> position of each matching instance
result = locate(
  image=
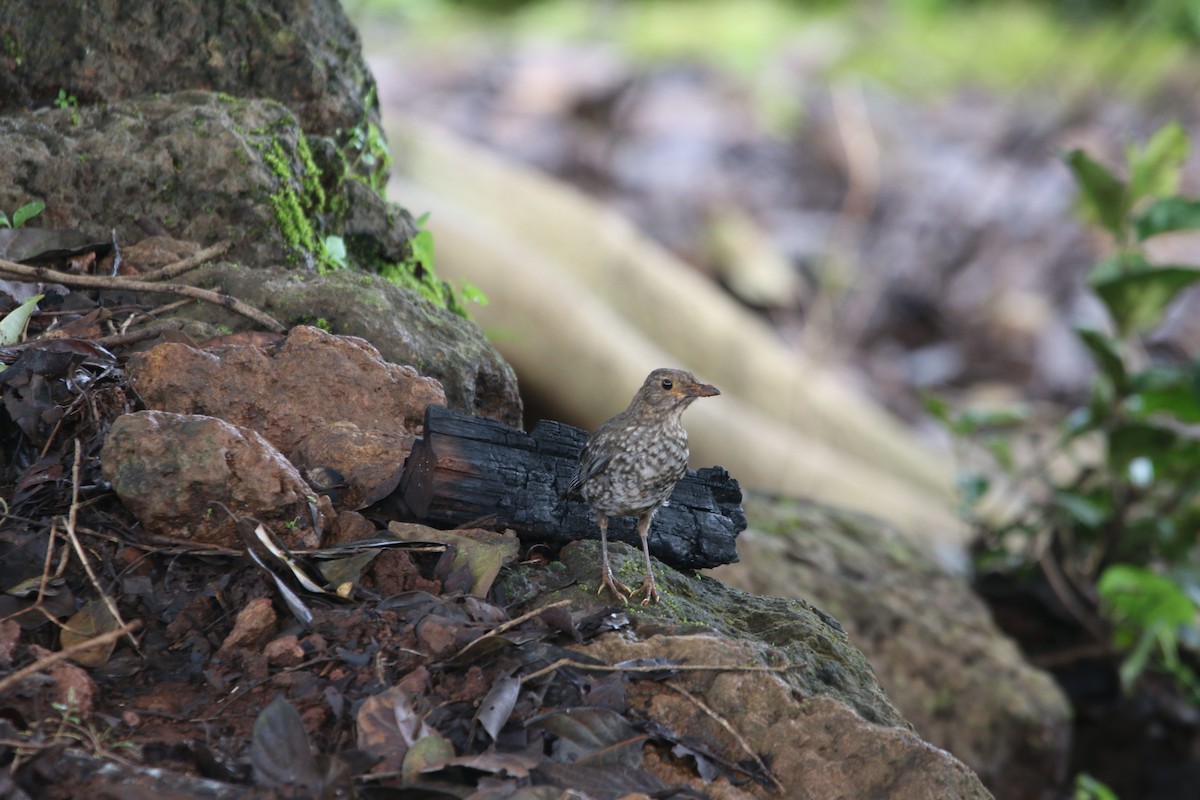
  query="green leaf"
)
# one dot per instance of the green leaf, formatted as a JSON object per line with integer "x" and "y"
{"x": 1088, "y": 788}
{"x": 1106, "y": 352}
{"x": 973, "y": 486}
{"x": 1104, "y": 195}
{"x": 27, "y": 212}
{"x": 1133, "y": 595}
{"x": 975, "y": 419}
{"x": 1083, "y": 510}
{"x": 1147, "y": 610}
{"x": 472, "y": 293}
{"x": 335, "y": 250}
{"x": 422, "y": 248}
{"x": 12, "y": 327}
{"x": 1167, "y": 215}
{"x": 1001, "y": 449}
{"x": 1154, "y": 169}
{"x": 937, "y": 407}
{"x": 1168, "y": 389}
{"x": 1137, "y": 298}
{"x": 1136, "y": 439}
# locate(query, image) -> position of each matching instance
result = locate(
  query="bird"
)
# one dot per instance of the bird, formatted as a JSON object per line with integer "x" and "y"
{"x": 631, "y": 463}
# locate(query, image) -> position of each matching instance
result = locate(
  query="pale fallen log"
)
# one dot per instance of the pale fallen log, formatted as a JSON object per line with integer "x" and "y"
{"x": 665, "y": 300}
{"x": 568, "y": 344}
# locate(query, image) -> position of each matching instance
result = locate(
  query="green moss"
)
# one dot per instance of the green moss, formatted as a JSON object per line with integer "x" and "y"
{"x": 299, "y": 201}
{"x": 293, "y": 223}
{"x": 311, "y": 178}
{"x": 12, "y": 49}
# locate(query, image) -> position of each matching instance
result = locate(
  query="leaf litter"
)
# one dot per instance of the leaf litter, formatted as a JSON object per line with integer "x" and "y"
{"x": 354, "y": 691}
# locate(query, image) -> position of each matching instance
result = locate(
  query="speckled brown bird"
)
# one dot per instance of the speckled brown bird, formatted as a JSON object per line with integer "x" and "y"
{"x": 632, "y": 462}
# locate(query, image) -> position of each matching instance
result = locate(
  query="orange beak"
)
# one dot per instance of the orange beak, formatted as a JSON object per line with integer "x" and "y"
{"x": 701, "y": 390}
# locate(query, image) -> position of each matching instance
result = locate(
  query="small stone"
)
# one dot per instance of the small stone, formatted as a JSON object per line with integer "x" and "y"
{"x": 284, "y": 652}
{"x": 253, "y": 625}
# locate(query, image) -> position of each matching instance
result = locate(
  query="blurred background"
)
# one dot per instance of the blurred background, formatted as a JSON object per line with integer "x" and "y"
{"x": 880, "y": 181}
{"x": 868, "y": 202}
{"x": 831, "y": 209}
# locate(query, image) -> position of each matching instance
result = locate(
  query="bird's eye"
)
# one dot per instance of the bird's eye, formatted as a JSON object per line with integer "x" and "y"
{"x": 666, "y": 384}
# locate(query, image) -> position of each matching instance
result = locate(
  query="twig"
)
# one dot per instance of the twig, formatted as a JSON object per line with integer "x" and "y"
{"x": 116, "y": 265}
{"x": 67, "y": 652}
{"x": 512, "y": 623}
{"x": 166, "y": 308}
{"x": 27, "y": 273}
{"x": 724, "y": 723}
{"x": 1065, "y": 593}
{"x": 191, "y": 262}
{"x": 83, "y": 559}
{"x": 567, "y": 662}
{"x": 141, "y": 334}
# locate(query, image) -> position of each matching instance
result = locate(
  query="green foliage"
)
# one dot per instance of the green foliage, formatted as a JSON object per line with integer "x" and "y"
{"x": 1122, "y": 525}
{"x": 334, "y": 251}
{"x": 22, "y": 214}
{"x": 13, "y": 324}
{"x": 65, "y": 100}
{"x": 417, "y": 273}
{"x": 365, "y": 143}
{"x": 1088, "y": 788}
{"x": 1148, "y": 612}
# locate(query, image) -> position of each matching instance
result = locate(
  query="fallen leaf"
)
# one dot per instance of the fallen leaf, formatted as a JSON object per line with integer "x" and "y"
{"x": 480, "y": 552}
{"x": 280, "y": 753}
{"x": 388, "y": 725}
{"x": 90, "y": 621}
{"x": 498, "y": 704}
{"x": 596, "y": 736}
{"x": 427, "y": 753}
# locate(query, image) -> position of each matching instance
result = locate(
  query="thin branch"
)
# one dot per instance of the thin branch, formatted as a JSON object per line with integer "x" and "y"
{"x": 512, "y": 623}
{"x": 67, "y": 652}
{"x": 189, "y": 263}
{"x": 45, "y": 274}
{"x": 724, "y": 723}
{"x": 568, "y": 662}
{"x": 139, "y": 335}
{"x": 83, "y": 559}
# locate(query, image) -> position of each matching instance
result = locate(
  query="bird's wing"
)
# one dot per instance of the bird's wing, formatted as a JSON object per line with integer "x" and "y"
{"x": 590, "y": 465}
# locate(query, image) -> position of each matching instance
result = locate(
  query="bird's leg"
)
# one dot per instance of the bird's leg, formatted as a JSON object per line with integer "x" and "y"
{"x": 606, "y": 576}
{"x": 648, "y": 590}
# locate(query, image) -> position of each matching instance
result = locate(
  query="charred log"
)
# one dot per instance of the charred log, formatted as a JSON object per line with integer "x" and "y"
{"x": 466, "y": 468}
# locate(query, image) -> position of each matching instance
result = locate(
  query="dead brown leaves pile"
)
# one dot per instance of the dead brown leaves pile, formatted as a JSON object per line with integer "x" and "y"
{"x": 378, "y": 668}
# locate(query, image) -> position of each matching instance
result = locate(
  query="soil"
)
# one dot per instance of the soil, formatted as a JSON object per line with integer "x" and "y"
{"x": 223, "y": 673}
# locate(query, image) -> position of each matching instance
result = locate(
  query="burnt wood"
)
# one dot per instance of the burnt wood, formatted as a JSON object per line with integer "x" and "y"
{"x": 466, "y": 468}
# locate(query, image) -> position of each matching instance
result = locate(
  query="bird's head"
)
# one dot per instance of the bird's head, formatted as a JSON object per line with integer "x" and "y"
{"x": 670, "y": 389}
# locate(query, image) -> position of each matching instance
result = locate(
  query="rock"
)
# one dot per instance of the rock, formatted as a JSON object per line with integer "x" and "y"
{"x": 169, "y": 470}
{"x": 307, "y": 56}
{"x": 315, "y": 391}
{"x": 822, "y": 723}
{"x": 405, "y": 328}
{"x": 74, "y": 688}
{"x": 285, "y": 181}
{"x": 253, "y": 625}
{"x": 204, "y": 166}
{"x": 350, "y": 526}
{"x": 284, "y": 651}
{"x": 962, "y": 683}
{"x": 809, "y": 742}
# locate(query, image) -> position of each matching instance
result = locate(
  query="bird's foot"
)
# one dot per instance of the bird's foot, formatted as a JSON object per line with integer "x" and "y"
{"x": 647, "y": 590}
{"x": 607, "y": 581}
